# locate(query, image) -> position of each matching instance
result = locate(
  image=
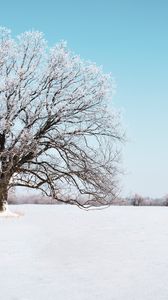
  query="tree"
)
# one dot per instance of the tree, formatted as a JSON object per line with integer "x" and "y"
{"x": 57, "y": 133}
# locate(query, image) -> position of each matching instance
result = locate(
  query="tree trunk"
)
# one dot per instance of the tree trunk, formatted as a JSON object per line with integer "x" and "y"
{"x": 4, "y": 175}
{"x": 3, "y": 195}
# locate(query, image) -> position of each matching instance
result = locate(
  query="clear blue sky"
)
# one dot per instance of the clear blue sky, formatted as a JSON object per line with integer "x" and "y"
{"x": 130, "y": 39}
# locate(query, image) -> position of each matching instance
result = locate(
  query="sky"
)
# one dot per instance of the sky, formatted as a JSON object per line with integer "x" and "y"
{"x": 129, "y": 38}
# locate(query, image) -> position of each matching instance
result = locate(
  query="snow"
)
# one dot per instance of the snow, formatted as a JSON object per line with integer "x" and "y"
{"x": 64, "y": 253}
{"x": 9, "y": 214}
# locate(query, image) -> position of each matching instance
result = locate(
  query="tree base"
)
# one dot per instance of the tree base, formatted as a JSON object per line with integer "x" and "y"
{"x": 5, "y": 212}
{"x": 3, "y": 206}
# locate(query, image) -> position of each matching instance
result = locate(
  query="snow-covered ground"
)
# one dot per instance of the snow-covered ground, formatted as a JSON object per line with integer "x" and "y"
{"x": 64, "y": 253}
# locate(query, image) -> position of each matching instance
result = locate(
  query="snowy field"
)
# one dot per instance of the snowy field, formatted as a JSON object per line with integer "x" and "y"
{"x": 64, "y": 253}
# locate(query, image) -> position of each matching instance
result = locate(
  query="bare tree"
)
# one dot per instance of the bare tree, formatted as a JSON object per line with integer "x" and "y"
{"x": 137, "y": 200}
{"x": 57, "y": 133}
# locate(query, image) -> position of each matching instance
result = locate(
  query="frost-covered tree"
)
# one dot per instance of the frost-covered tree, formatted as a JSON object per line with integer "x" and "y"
{"x": 57, "y": 133}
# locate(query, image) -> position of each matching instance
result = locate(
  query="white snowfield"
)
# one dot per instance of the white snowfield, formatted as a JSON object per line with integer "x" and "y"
{"x": 64, "y": 253}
